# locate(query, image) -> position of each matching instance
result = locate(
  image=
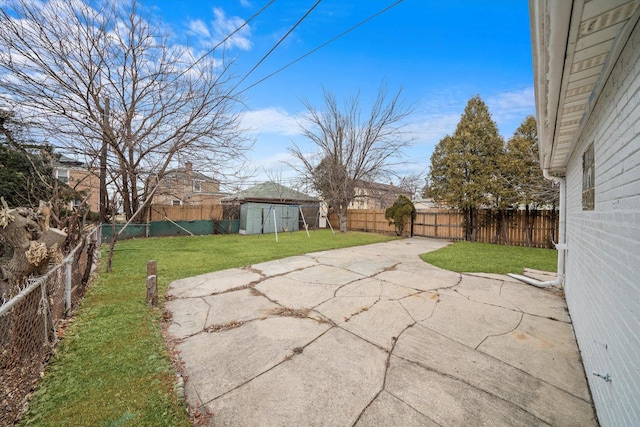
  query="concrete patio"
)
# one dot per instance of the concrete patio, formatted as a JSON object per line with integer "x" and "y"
{"x": 371, "y": 336}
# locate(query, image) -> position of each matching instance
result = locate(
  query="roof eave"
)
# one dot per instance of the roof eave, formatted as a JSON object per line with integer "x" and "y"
{"x": 549, "y": 45}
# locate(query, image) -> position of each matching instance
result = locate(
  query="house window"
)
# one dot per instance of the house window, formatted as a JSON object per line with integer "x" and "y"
{"x": 197, "y": 187}
{"x": 176, "y": 202}
{"x": 588, "y": 179}
{"x": 62, "y": 175}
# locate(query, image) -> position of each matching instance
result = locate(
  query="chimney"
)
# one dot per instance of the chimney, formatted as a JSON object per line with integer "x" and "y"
{"x": 188, "y": 168}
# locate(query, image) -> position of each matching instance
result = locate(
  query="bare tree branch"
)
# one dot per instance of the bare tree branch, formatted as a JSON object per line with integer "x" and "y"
{"x": 352, "y": 146}
{"x": 60, "y": 61}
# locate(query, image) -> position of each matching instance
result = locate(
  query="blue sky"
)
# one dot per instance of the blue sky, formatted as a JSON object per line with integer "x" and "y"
{"x": 441, "y": 53}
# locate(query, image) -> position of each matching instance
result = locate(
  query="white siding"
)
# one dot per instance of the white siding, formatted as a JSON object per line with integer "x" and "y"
{"x": 603, "y": 265}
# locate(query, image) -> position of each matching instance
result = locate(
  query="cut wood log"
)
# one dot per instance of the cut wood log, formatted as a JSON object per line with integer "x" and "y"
{"x": 34, "y": 245}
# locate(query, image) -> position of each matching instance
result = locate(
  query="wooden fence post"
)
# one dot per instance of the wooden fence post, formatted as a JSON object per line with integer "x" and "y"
{"x": 152, "y": 283}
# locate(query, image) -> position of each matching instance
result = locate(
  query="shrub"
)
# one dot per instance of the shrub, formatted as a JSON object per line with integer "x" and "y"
{"x": 401, "y": 210}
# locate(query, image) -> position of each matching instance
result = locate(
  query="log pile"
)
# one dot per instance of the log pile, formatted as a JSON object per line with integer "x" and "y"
{"x": 34, "y": 244}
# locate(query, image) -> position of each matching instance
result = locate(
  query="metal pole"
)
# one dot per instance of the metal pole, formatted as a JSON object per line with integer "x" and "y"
{"x": 275, "y": 224}
{"x": 43, "y": 304}
{"x": 67, "y": 286}
{"x": 304, "y": 221}
{"x": 104, "y": 198}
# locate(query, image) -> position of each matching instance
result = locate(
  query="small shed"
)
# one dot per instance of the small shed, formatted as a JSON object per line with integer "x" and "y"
{"x": 271, "y": 207}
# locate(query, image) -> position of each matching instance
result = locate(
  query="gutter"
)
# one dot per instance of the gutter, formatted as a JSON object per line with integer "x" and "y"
{"x": 561, "y": 246}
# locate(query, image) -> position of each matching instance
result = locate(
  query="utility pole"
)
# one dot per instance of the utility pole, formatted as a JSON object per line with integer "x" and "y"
{"x": 104, "y": 198}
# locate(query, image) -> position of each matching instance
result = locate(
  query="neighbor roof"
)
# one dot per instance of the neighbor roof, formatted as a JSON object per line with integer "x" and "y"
{"x": 270, "y": 192}
{"x": 181, "y": 173}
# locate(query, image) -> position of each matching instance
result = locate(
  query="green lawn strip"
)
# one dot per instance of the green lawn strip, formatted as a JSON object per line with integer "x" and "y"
{"x": 112, "y": 367}
{"x": 471, "y": 257}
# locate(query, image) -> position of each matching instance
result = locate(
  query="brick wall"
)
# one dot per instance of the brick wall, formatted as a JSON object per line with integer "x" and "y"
{"x": 603, "y": 265}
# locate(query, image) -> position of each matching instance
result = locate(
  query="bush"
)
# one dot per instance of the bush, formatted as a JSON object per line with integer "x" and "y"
{"x": 401, "y": 210}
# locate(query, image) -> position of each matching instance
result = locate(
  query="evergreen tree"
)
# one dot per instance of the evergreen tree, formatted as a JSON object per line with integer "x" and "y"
{"x": 401, "y": 210}
{"x": 26, "y": 174}
{"x": 465, "y": 167}
{"x": 524, "y": 175}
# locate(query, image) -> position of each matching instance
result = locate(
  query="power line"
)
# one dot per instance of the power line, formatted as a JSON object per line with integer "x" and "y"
{"x": 244, "y": 24}
{"x": 322, "y": 45}
{"x": 276, "y": 45}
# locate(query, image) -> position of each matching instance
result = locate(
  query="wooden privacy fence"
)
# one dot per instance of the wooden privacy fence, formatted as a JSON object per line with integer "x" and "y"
{"x": 439, "y": 224}
{"x": 370, "y": 220}
{"x": 185, "y": 213}
{"x": 449, "y": 224}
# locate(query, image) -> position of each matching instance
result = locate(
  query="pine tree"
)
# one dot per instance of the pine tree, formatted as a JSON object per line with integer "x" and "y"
{"x": 26, "y": 175}
{"x": 465, "y": 167}
{"x": 524, "y": 174}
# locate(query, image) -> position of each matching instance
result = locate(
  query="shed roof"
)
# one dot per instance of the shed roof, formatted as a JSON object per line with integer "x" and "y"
{"x": 270, "y": 192}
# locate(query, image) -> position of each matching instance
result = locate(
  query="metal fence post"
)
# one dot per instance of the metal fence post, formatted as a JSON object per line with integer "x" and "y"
{"x": 67, "y": 285}
{"x": 44, "y": 307}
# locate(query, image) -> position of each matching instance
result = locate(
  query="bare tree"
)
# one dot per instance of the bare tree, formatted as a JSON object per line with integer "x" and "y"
{"x": 100, "y": 75}
{"x": 351, "y": 146}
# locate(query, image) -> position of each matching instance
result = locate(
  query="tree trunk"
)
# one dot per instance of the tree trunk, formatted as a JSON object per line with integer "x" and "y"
{"x": 33, "y": 243}
{"x": 528, "y": 227}
{"x": 471, "y": 225}
{"x": 342, "y": 219}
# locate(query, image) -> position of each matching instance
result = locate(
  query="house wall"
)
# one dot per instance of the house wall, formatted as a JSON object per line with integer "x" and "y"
{"x": 603, "y": 265}
{"x": 181, "y": 187}
{"x": 89, "y": 183}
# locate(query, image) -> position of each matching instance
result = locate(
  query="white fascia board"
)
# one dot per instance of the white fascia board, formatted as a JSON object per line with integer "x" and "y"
{"x": 550, "y": 23}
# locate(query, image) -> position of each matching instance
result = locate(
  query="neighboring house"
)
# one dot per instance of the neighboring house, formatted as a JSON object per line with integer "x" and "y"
{"x": 424, "y": 204}
{"x": 184, "y": 186}
{"x": 373, "y": 195}
{"x": 269, "y": 206}
{"x": 81, "y": 178}
{"x": 586, "y": 57}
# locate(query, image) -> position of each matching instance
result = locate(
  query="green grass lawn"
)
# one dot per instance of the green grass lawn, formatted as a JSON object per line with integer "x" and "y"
{"x": 112, "y": 367}
{"x": 471, "y": 257}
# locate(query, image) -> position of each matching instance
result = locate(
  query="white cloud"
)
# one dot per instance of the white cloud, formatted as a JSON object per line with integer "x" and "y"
{"x": 246, "y": 3}
{"x": 212, "y": 33}
{"x": 271, "y": 120}
{"x": 430, "y": 129}
{"x": 509, "y": 109}
{"x": 223, "y": 26}
{"x": 199, "y": 28}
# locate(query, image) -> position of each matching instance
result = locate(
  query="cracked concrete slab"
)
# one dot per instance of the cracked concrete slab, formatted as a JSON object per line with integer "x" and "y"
{"x": 452, "y": 401}
{"x": 212, "y": 283}
{"x": 426, "y": 280}
{"x": 219, "y": 362}
{"x": 484, "y": 290}
{"x": 380, "y": 324}
{"x": 324, "y": 274}
{"x": 470, "y": 322}
{"x": 560, "y": 365}
{"x": 420, "y": 306}
{"x": 189, "y": 316}
{"x": 439, "y": 353}
{"x": 293, "y": 293}
{"x": 388, "y": 410}
{"x": 238, "y": 306}
{"x": 285, "y": 265}
{"x": 327, "y": 383}
{"x": 374, "y": 336}
{"x": 539, "y": 302}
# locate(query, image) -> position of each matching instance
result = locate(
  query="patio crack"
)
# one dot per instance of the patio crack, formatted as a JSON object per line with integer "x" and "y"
{"x": 294, "y": 352}
{"x": 394, "y": 340}
{"x": 469, "y": 384}
{"x": 501, "y": 334}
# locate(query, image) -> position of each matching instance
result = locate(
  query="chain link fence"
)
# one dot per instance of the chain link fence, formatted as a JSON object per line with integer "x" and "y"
{"x": 30, "y": 323}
